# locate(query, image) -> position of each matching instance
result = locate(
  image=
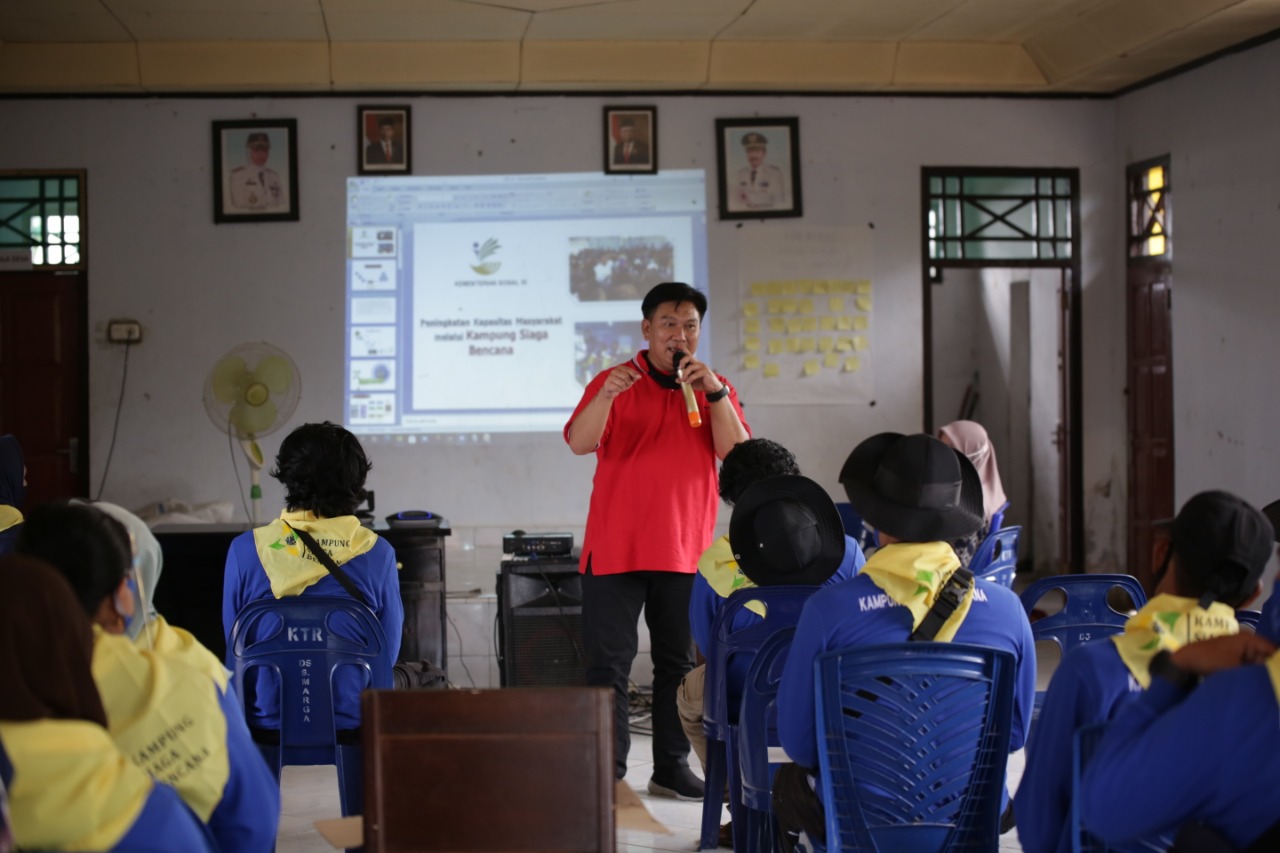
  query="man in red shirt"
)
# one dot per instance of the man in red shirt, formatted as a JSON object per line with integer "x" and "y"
{"x": 653, "y": 510}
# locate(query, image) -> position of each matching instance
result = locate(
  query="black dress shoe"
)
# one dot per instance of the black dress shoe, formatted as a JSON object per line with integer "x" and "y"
{"x": 679, "y": 783}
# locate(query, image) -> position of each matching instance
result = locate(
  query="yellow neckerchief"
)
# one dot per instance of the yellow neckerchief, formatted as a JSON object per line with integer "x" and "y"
{"x": 72, "y": 788}
{"x": 9, "y": 516}
{"x": 1169, "y": 622}
{"x": 290, "y": 567}
{"x": 723, "y": 575}
{"x": 174, "y": 643}
{"x": 1273, "y": 669}
{"x": 911, "y": 573}
{"x": 165, "y": 718}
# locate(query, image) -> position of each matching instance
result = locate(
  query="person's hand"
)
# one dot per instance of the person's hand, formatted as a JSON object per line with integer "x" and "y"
{"x": 699, "y": 376}
{"x": 620, "y": 379}
{"x": 1210, "y": 656}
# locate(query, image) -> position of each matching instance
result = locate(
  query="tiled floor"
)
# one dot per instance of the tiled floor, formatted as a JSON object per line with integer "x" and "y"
{"x": 311, "y": 793}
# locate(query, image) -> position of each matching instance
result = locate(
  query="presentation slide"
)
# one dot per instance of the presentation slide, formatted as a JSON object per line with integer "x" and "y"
{"x": 480, "y": 307}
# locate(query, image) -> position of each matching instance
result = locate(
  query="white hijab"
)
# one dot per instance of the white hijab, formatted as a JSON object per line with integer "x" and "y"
{"x": 971, "y": 439}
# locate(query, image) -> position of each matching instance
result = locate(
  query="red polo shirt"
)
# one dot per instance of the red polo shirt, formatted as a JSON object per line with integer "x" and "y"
{"x": 653, "y": 500}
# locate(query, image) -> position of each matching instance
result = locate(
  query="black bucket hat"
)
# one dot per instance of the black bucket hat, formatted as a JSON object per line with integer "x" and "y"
{"x": 786, "y": 530}
{"x": 914, "y": 487}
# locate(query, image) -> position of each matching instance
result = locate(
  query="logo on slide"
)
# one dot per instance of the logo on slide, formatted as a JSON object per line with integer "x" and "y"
{"x": 484, "y": 251}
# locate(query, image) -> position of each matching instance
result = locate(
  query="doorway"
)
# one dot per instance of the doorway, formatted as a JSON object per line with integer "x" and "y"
{"x": 1002, "y": 339}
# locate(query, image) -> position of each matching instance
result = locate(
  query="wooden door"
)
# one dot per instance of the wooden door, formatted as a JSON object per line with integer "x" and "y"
{"x": 1150, "y": 376}
{"x": 44, "y": 379}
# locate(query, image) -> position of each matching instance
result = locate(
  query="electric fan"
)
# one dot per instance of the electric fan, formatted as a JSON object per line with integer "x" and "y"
{"x": 251, "y": 392}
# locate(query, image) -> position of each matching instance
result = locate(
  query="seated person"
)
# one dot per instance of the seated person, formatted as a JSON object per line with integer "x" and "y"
{"x": 174, "y": 721}
{"x": 719, "y": 574}
{"x": 69, "y": 786}
{"x": 970, "y": 438}
{"x": 919, "y": 495}
{"x": 1207, "y": 568}
{"x": 323, "y": 468}
{"x": 1196, "y": 760}
{"x": 13, "y": 491}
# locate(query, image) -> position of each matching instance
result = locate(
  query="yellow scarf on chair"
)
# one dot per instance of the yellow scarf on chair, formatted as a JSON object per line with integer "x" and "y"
{"x": 290, "y": 567}
{"x": 723, "y": 575}
{"x": 912, "y": 573}
{"x": 9, "y": 516}
{"x": 1169, "y": 622}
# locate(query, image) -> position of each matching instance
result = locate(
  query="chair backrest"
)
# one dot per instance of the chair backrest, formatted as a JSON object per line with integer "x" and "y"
{"x": 723, "y": 690}
{"x": 997, "y": 556}
{"x": 997, "y": 518}
{"x": 434, "y": 760}
{"x": 1087, "y": 613}
{"x": 758, "y": 718}
{"x": 1249, "y": 619}
{"x": 914, "y": 746}
{"x": 305, "y": 640}
{"x": 1084, "y": 744}
{"x": 853, "y": 526}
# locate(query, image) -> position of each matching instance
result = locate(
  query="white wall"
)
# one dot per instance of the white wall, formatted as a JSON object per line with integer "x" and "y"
{"x": 200, "y": 289}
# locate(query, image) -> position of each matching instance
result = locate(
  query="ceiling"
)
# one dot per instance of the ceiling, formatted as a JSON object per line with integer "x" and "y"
{"x": 973, "y": 46}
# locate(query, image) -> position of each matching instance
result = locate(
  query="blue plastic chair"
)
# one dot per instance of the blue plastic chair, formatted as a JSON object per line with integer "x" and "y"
{"x": 295, "y": 638}
{"x": 997, "y": 518}
{"x": 913, "y": 746}
{"x": 1249, "y": 619}
{"x": 1083, "y": 746}
{"x": 722, "y": 695}
{"x": 996, "y": 559}
{"x": 866, "y": 538}
{"x": 1086, "y": 615}
{"x": 757, "y": 731}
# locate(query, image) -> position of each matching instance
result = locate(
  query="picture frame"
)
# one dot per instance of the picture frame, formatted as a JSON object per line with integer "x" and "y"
{"x": 630, "y": 140}
{"x": 255, "y": 170}
{"x": 383, "y": 140}
{"x": 759, "y": 166}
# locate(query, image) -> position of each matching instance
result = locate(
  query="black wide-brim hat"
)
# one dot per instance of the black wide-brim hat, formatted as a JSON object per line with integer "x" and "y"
{"x": 786, "y": 530}
{"x": 914, "y": 487}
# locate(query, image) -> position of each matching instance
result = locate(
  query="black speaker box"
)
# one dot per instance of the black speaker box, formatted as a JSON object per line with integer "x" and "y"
{"x": 540, "y": 623}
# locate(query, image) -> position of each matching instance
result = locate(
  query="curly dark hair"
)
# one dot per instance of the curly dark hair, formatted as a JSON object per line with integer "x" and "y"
{"x": 323, "y": 469}
{"x": 752, "y": 460}
{"x": 673, "y": 291}
{"x": 88, "y": 547}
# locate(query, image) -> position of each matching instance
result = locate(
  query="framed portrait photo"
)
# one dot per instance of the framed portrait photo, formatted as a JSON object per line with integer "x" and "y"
{"x": 255, "y": 170}
{"x": 382, "y": 140}
{"x": 630, "y": 140}
{"x": 759, "y": 163}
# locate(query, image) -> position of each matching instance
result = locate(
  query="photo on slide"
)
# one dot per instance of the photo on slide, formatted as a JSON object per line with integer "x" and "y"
{"x": 618, "y": 268}
{"x": 599, "y": 346}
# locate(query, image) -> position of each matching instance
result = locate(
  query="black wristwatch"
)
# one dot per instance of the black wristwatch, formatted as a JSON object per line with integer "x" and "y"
{"x": 1163, "y": 668}
{"x": 716, "y": 396}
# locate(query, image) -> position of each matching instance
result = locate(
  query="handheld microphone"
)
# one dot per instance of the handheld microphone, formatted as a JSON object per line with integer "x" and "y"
{"x": 690, "y": 402}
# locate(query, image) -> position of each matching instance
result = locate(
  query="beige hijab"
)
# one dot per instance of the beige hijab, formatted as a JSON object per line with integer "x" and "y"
{"x": 971, "y": 439}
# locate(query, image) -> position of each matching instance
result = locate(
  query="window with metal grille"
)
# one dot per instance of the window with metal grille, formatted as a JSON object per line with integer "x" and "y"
{"x": 1149, "y": 209}
{"x": 41, "y": 212}
{"x": 997, "y": 214}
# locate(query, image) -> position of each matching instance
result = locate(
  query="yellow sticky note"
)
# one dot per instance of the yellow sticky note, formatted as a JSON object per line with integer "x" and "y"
{"x": 819, "y": 287}
{"x": 811, "y": 367}
{"x": 777, "y": 345}
{"x": 810, "y": 324}
{"x": 795, "y": 325}
{"x": 806, "y": 287}
{"x": 806, "y": 306}
{"x": 826, "y": 343}
{"x": 831, "y": 360}
{"x": 771, "y": 370}
{"x": 828, "y": 324}
{"x": 793, "y": 344}
{"x": 844, "y": 343}
{"x": 752, "y": 326}
{"x": 852, "y": 364}
{"x": 844, "y": 324}
{"x": 777, "y": 325}
{"x": 773, "y": 288}
{"x": 835, "y": 304}
{"x": 775, "y": 306}
{"x": 863, "y": 303}
{"x": 791, "y": 288}
{"x": 859, "y": 343}
{"x": 751, "y": 309}
{"x": 789, "y": 306}
{"x": 860, "y": 323}
{"x": 750, "y": 361}
{"x": 863, "y": 286}
{"x": 759, "y": 288}
{"x": 806, "y": 345}
{"x": 752, "y": 344}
